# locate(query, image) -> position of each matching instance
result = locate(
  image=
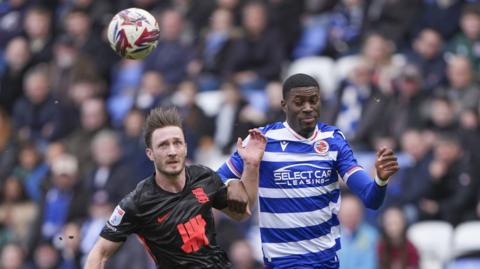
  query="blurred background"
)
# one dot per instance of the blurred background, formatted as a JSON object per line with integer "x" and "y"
{"x": 397, "y": 73}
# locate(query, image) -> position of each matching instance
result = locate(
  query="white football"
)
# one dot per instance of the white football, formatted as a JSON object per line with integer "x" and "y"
{"x": 133, "y": 33}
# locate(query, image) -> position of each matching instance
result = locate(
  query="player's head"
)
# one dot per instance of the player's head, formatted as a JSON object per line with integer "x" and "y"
{"x": 165, "y": 141}
{"x": 301, "y": 103}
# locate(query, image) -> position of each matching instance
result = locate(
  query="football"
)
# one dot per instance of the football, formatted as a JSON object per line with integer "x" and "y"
{"x": 133, "y": 33}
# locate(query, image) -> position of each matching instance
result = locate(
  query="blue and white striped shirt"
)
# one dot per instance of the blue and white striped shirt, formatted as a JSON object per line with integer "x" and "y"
{"x": 299, "y": 194}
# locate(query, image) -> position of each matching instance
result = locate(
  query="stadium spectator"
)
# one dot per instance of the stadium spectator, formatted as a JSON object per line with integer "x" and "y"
{"x": 439, "y": 15}
{"x": 463, "y": 91}
{"x": 31, "y": 170}
{"x": 465, "y": 43}
{"x": 358, "y": 106}
{"x": 17, "y": 212}
{"x": 359, "y": 239}
{"x": 69, "y": 247}
{"x": 378, "y": 52}
{"x": 11, "y": 18}
{"x": 38, "y": 29}
{"x": 93, "y": 119}
{"x": 213, "y": 50}
{"x": 110, "y": 173}
{"x": 12, "y": 257}
{"x": 198, "y": 127}
{"x": 298, "y": 184}
{"x": 241, "y": 254}
{"x": 274, "y": 97}
{"x": 18, "y": 58}
{"x": 63, "y": 200}
{"x": 427, "y": 55}
{"x": 441, "y": 115}
{"x": 411, "y": 184}
{"x": 78, "y": 25}
{"x": 46, "y": 256}
{"x": 394, "y": 248}
{"x": 68, "y": 67}
{"x": 345, "y": 29}
{"x": 133, "y": 146}
{"x": 392, "y": 19}
{"x": 257, "y": 56}
{"x": 406, "y": 109}
{"x": 233, "y": 118}
{"x": 452, "y": 185}
{"x": 172, "y": 55}
{"x": 34, "y": 114}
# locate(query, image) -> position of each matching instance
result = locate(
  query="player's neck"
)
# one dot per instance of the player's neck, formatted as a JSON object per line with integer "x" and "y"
{"x": 173, "y": 184}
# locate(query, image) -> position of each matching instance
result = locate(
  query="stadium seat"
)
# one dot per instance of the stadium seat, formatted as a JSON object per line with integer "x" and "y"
{"x": 321, "y": 68}
{"x": 209, "y": 101}
{"x": 345, "y": 65}
{"x": 466, "y": 238}
{"x": 433, "y": 240}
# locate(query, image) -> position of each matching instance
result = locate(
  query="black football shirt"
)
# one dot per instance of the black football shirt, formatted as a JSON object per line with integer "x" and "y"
{"x": 177, "y": 229}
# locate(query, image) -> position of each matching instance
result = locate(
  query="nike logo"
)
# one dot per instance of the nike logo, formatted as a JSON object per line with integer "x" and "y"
{"x": 283, "y": 145}
{"x": 162, "y": 218}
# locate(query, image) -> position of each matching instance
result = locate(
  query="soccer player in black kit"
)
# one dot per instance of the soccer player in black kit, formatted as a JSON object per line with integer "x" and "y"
{"x": 171, "y": 211}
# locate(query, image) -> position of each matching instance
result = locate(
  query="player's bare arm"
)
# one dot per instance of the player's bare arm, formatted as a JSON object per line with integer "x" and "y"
{"x": 386, "y": 164}
{"x": 245, "y": 190}
{"x": 98, "y": 256}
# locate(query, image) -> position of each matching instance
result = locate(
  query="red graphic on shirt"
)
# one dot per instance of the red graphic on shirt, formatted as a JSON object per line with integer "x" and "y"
{"x": 193, "y": 234}
{"x": 162, "y": 218}
{"x": 200, "y": 195}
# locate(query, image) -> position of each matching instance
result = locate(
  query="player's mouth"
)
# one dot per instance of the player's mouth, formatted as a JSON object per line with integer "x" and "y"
{"x": 308, "y": 120}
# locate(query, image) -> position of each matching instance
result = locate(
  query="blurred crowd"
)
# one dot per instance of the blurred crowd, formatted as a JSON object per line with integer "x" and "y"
{"x": 397, "y": 73}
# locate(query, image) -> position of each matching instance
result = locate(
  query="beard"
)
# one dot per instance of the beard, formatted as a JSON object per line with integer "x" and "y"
{"x": 164, "y": 168}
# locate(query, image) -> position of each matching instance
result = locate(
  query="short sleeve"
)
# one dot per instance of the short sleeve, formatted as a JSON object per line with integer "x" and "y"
{"x": 219, "y": 199}
{"x": 346, "y": 163}
{"x": 121, "y": 223}
{"x": 232, "y": 168}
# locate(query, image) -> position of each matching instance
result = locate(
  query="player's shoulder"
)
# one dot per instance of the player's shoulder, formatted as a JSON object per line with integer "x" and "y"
{"x": 198, "y": 171}
{"x": 271, "y": 126}
{"x": 133, "y": 200}
{"x": 333, "y": 131}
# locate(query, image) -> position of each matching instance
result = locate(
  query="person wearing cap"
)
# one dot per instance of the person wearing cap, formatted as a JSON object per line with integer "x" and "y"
{"x": 63, "y": 199}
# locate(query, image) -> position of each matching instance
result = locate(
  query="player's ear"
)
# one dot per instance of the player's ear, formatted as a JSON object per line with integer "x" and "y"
{"x": 149, "y": 153}
{"x": 283, "y": 103}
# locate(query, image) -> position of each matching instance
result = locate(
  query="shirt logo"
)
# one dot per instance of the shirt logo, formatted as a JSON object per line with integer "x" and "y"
{"x": 283, "y": 145}
{"x": 321, "y": 147}
{"x": 162, "y": 218}
{"x": 193, "y": 234}
{"x": 200, "y": 195}
{"x": 302, "y": 174}
{"x": 117, "y": 216}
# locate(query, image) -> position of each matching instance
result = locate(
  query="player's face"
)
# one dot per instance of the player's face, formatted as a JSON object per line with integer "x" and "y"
{"x": 302, "y": 108}
{"x": 168, "y": 150}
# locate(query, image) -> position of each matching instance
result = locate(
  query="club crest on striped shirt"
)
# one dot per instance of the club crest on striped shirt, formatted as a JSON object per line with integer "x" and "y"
{"x": 321, "y": 147}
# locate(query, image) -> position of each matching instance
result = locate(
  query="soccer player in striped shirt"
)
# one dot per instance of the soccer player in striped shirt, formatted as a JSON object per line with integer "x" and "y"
{"x": 299, "y": 195}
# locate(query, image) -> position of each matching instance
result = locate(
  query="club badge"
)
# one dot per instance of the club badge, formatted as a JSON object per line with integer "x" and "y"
{"x": 321, "y": 147}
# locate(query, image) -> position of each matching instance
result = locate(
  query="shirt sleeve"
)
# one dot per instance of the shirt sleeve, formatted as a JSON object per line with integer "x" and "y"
{"x": 346, "y": 163}
{"x": 121, "y": 223}
{"x": 357, "y": 180}
{"x": 219, "y": 198}
{"x": 232, "y": 168}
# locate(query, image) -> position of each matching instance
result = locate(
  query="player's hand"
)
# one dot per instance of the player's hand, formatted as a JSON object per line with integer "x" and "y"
{"x": 386, "y": 164}
{"x": 252, "y": 153}
{"x": 237, "y": 197}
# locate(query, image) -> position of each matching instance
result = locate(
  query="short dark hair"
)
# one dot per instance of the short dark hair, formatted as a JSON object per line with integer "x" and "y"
{"x": 296, "y": 81}
{"x": 160, "y": 117}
